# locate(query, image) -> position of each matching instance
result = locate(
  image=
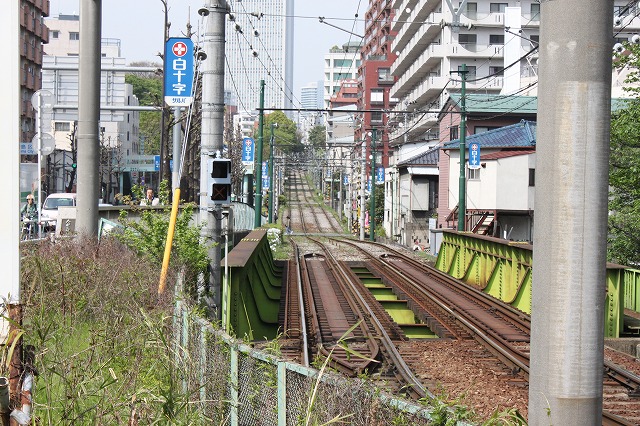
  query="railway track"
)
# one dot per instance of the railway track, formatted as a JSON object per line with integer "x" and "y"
{"x": 451, "y": 309}
{"x": 482, "y": 316}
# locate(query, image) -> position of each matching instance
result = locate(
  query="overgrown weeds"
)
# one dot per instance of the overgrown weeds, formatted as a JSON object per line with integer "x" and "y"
{"x": 101, "y": 334}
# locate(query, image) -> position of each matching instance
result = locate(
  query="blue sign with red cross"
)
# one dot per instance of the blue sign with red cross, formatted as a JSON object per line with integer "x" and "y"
{"x": 178, "y": 71}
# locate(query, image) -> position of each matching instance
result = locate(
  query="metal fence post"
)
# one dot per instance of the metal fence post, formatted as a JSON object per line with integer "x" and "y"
{"x": 282, "y": 393}
{"x": 233, "y": 373}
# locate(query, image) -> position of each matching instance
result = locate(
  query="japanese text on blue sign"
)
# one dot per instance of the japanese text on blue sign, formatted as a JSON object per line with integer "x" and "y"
{"x": 178, "y": 71}
{"x": 474, "y": 156}
{"x": 248, "y": 151}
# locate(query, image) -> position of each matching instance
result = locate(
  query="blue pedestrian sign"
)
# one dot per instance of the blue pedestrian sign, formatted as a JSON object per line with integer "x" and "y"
{"x": 380, "y": 175}
{"x": 369, "y": 183}
{"x": 474, "y": 155}
{"x": 345, "y": 180}
{"x": 265, "y": 182}
{"x": 178, "y": 71}
{"x": 248, "y": 151}
{"x": 156, "y": 163}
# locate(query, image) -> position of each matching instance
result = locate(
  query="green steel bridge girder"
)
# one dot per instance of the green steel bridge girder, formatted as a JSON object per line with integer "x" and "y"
{"x": 503, "y": 269}
{"x": 255, "y": 286}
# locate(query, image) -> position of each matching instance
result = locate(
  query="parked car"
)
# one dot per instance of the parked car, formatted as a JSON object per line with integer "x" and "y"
{"x": 49, "y": 213}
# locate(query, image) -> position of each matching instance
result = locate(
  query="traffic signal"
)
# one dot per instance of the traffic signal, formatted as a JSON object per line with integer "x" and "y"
{"x": 219, "y": 174}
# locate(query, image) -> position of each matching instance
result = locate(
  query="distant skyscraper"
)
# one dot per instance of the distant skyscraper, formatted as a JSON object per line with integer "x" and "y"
{"x": 259, "y": 46}
{"x": 309, "y": 96}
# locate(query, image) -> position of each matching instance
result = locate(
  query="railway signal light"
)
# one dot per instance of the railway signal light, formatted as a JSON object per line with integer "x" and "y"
{"x": 219, "y": 175}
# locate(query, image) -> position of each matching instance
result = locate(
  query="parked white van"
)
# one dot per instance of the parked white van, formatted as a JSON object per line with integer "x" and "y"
{"x": 50, "y": 207}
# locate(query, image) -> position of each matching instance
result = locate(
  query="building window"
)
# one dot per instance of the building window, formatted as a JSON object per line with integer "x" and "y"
{"x": 74, "y": 36}
{"x": 376, "y": 116}
{"x": 344, "y": 63}
{"x": 535, "y": 10}
{"x": 482, "y": 129}
{"x": 55, "y": 34}
{"x": 384, "y": 74}
{"x": 471, "y": 71}
{"x": 377, "y": 95}
{"x": 535, "y": 39}
{"x": 467, "y": 38}
{"x": 62, "y": 126}
{"x": 532, "y": 177}
{"x": 496, "y": 39}
{"x": 471, "y": 10}
{"x": 453, "y": 133}
{"x": 473, "y": 174}
{"x": 499, "y": 71}
{"x": 497, "y": 7}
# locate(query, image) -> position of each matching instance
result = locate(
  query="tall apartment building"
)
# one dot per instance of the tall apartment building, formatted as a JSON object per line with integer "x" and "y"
{"x": 471, "y": 33}
{"x": 33, "y": 34}
{"x": 375, "y": 79}
{"x": 434, "y": 40}
{"x": 341, "y": 63}
{"x": 259, "y": 46}
{"x": 119, "y": 128}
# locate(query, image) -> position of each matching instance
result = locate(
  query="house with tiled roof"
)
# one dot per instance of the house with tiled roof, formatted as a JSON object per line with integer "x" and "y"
{"x": 500, "y": 190}
{"x": 411, "y": 196}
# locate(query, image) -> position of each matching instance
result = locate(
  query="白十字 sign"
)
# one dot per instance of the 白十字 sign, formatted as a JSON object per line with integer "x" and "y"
{"x": 178, "y": 71}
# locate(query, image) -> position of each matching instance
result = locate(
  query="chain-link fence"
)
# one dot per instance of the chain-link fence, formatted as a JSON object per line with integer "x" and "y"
{"x": 232, "y": 383}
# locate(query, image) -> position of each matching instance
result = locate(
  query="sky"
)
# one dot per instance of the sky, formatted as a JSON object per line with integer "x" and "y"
{"x": 139, "y": 26}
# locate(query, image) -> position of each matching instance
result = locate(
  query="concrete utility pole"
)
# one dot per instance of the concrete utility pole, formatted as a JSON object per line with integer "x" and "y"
{"x": 10, "y": 108}
{"x": 574, "y": 111}
{"x": 212, "y": 134}
{"x": 89, "y": 116}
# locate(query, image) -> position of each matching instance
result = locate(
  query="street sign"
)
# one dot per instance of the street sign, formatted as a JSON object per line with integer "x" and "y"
{"x": 47, "y": 143}
{"x": 248, "y": 151}
{"x": 380, "y": 175}
{"x": 474, "y": 155}
{"x": 369, "y": 183}
{"x": 141, "y": 163}
{"x": 265, "y": 175}
{"x": 28, "y": 148}
{"x": 178, "y": 71}
{"x": 345, "y": 180}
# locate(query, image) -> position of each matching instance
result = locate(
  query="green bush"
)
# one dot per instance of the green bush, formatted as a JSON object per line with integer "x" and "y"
{"x": 101, "y": 335}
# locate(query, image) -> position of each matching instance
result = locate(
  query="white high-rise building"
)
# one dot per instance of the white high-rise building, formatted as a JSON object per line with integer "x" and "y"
{"x": 310, "y": 98}
{"x": 341, "y": 63}
{"x": 495, "y": 40}
{"x": 119, "y": 130}
{"x": 259, "y": 46}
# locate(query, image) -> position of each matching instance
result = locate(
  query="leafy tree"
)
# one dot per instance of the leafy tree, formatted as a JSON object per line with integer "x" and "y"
{"x": 287, "y": 138}
{"x": 318, "y": 137}
{"x": 148, "y": 90}
{"x": 624, "y": 170}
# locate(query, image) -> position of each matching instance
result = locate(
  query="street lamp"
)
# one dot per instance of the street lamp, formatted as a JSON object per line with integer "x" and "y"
{"x": 273, "y": 127}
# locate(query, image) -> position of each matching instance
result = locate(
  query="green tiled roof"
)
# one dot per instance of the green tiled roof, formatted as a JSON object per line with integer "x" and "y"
{"x": 491, "y": 104}
{"x": 497, "y": 104}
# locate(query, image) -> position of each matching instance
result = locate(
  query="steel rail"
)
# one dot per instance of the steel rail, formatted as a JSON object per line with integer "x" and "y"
{"x": 487, "y": 338}
{"x": 414, "y": 384}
